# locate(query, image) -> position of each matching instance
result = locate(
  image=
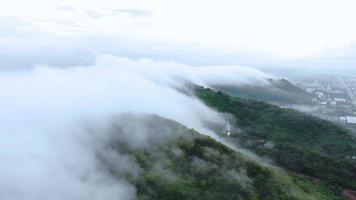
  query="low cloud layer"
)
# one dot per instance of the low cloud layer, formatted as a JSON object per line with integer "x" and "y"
{"x": 47, "y": 152}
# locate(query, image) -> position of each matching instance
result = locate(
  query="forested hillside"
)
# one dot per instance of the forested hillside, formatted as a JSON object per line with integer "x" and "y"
{"x": 296, "y": 141}
{"x": 179, "y": 163}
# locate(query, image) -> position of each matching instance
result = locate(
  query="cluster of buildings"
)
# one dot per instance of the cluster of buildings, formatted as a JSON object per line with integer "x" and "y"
{"x": 327, "y": 95}
{"x": 335, "y": 98}
{"x": 351, "y": 120}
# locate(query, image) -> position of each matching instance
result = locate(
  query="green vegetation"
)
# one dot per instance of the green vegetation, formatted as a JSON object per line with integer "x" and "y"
{"x": 296, "y": 141}
{"x": 194, "y": 166}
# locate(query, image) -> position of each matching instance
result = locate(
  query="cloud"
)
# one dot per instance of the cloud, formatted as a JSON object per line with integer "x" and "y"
{"x": 67, "y": 8}
{"x": 94, "y": 14}
{"x": 42, "y": 122}
{"x": 167, "y": 72}
{"x": 12, "y": 27}
{"x": 133, "y": 12}
{"x": 48, "y": 150}
{"x": 99, "y": 13}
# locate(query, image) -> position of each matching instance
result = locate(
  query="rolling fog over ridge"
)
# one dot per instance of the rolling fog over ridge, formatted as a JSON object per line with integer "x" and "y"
{"x": 54, "y": 104}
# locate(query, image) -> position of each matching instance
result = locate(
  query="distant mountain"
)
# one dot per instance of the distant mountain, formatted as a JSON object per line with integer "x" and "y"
{"x": 296, "y": 141}
{"x": 277, "y": 90}
{"x": 285, "y": 85}
{"x": 179, "y": 163}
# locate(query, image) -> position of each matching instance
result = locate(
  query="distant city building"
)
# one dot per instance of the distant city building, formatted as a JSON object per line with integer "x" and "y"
{"x": 343, "y": 120}
{"x": 319, "y": 94}
{"x": 351, "y": 120}
{"x": 342, "y": 100}
{"x": 310, "y": 90}
{"x": 323, "y": 103}
{"x": 328, "y": 89}
{"x": 340, "y": 92}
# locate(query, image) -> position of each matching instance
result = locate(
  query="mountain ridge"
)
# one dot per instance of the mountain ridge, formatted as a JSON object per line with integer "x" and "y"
{"x": 276, "y": 91}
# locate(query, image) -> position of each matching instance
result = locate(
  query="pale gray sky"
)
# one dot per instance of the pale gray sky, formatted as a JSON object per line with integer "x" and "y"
{"x": 254, "y": 32}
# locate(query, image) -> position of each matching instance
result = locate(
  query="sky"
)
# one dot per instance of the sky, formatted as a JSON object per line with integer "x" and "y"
{"x": 218, "y": 32}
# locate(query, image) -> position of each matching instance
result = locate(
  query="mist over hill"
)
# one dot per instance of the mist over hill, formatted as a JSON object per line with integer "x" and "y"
{"x": 46, "y": 111}
{"x": 139, "y": 129}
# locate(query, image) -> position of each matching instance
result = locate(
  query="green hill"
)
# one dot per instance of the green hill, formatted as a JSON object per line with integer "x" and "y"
{"x": 296, "y": 141}
{"x": 278, "y": 90}
{"x": 178, "y": 163}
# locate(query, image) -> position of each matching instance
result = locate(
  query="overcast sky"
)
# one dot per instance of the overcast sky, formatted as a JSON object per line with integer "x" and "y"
{"x": 232, "y": 31}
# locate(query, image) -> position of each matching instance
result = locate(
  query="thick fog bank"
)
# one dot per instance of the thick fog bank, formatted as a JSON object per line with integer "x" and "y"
{"x": 47, "y": 150}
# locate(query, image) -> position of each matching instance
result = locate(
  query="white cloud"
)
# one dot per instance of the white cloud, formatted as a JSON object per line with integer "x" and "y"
{"x": 133, "y": 12}
{"x": 46, "y": 152}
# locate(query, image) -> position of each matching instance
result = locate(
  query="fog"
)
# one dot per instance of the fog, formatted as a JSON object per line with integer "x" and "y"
{"x": 47, "y": 149}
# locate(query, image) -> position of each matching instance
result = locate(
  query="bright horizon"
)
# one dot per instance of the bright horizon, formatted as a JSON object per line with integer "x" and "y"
{"x": 277, "y": 28}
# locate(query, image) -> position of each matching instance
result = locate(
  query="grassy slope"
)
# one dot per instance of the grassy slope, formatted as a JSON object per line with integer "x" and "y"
{"x": 301, "y": 143}
{"x": 194, "y": 166}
